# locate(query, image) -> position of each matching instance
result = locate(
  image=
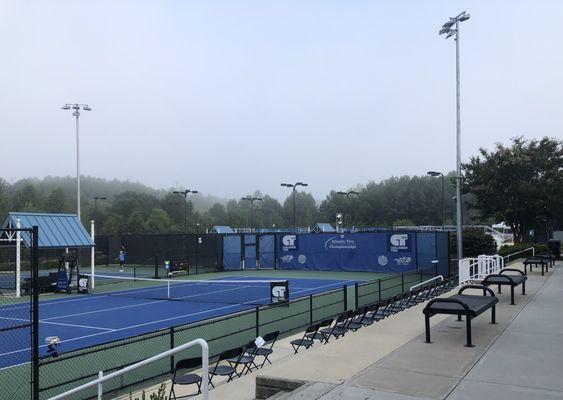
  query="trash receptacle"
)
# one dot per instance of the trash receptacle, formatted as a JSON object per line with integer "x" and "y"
{"x": 555, "y": 247}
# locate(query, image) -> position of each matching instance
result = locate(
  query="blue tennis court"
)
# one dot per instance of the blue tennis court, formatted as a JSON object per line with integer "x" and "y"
{"x": 82, "y": 321}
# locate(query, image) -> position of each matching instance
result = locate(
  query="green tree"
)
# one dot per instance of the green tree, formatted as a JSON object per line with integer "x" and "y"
{"x": 26, "y": 198}
{"x": 57, "y": 201}
{"x": 4, "y": 199}
{"x": 520, "y": 184}
{"x": 306, "y": 212}
{"x": 158, "y": 221}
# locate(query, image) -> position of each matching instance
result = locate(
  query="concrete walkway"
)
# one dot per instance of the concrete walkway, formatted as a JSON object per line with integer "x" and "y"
{"x": 519, "y": 357}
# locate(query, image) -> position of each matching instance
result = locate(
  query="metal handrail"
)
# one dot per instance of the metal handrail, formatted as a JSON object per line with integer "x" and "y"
{"x": 441, "y": 277}
{"x": 102, "y": 378}
{"x": 507, "y": 257}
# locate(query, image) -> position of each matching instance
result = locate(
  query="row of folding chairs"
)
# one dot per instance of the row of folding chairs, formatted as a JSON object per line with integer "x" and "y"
{"x": 329, "y": 328}
{"x": 232, "y": 363}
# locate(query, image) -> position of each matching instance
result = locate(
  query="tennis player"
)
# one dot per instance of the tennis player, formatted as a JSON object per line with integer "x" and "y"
{"x": 121, "y": 259}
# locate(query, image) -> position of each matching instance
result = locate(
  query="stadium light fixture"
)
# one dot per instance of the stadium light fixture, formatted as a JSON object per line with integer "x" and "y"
{"x": 294, "y": 189}
{"x": 77, "y": 107}
{"x": 185, "y": 194}
{"x": 451, "y": 28}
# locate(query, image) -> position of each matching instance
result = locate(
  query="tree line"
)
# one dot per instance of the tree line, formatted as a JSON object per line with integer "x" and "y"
{"x": 520, "y": 183}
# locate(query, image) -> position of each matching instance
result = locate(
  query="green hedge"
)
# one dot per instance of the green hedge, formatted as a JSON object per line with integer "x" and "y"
{"x": 475, "y": 242}
{"x": 506, "y": 249}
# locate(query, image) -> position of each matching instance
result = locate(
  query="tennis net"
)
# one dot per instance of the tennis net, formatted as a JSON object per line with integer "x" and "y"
{"x": 230, "y": 291}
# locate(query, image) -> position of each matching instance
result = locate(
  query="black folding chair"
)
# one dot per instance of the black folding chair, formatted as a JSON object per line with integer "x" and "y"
{"x": 182, "y": 377}
{"x": 226, "y": 369}
{"x": 246, "y": 359}
{"x": 339, "y": 328}
{"x": 305, "y": 342}
{"x": 320, "y": 335}
{"x": 268, "y": 348}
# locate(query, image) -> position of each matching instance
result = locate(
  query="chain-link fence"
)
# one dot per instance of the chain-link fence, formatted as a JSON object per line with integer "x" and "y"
{"x": 72, "y": 369}
{"x": 18, "y": 315}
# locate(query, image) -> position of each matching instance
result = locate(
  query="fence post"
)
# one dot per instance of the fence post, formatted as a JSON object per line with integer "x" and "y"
{"x": 379, "y": 288}
{"x": 257, "y": 321}
{"x": 35, "y": 309}
{"x": 172, "y": 346}
{"x": 345, "y": 291}
{"x": 310, "y": 309}
{"x": 356, "y": 296}
{"x": 156, "y": 266}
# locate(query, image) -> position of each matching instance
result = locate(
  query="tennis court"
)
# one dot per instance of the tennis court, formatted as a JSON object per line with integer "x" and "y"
{"x": 118, "y": 312}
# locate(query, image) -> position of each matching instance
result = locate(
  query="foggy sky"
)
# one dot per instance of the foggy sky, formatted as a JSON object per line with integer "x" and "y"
{"x": 233, "y": 96}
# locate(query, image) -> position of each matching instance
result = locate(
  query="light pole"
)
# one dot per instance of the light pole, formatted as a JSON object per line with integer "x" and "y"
{"x": 185, "y": 194}
{"x": 348, "y": 194}
{"x": 96, "y": 198}
{"x": 293, "y": 188}
{"x": 450, "y": 29}
{"x": 251, "y": 200}
{"x": 434, "y": 174}
{"x": 77, "y": 107}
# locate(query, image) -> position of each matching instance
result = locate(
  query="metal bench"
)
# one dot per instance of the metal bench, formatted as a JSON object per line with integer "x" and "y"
{"x": 535, "y": 261}
{"x": 501, "y": 279}
{"x": 462, "y": 304}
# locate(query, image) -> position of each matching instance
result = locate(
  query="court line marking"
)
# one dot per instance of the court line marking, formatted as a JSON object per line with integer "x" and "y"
{"x": 151, "y": 323}
{"x": 63, "y": 324}
{"x": 146, "y": 303}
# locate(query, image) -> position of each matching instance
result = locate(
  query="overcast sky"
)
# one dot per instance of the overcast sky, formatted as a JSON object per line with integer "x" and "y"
{"x": 232, "y": 96}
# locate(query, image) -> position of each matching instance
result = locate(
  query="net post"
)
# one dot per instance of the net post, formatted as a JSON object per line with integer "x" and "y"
{"x": 345, "y": 292}
{"x": 310, "y": 309}
{"x": 257, "y": 321}
{"x": 356, "y": 296}
{"x": 168, "y": 290}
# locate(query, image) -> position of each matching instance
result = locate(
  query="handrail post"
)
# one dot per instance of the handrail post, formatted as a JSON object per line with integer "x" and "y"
{"x": 205, "y": 369}
{"x": 100, "y": 385}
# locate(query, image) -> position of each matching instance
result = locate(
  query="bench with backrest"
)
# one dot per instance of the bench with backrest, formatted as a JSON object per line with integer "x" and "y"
{"x": 468, "y": 305}
{"x": 503, "y": 279}
{"x": 535, "y": 261}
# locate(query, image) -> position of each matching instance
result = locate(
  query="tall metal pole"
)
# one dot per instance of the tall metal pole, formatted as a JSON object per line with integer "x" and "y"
{"x": 443, "y": 205}
{"x": 35, "y": 309}
{"x": 458, "y": 145}
{"x": 77, "y": 114}
{"x": 294, "y": 225}
{"x": 185, "y": 213}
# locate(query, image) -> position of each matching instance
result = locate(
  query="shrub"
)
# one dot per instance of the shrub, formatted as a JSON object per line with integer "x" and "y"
{"x": 475, "y": 242}
{"x": 507, "y": 249}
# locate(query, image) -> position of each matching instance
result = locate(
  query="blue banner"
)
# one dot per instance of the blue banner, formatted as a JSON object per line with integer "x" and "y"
{"x": 231, "y": 253}
{"x": 373, "y": 252}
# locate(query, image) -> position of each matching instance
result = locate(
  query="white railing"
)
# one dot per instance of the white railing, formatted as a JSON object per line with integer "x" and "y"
{"x": 102, "y": 378}
{"x": 434, "y": 278}
{"x": 476, "y": 268}
{"x": 507, "y": 258}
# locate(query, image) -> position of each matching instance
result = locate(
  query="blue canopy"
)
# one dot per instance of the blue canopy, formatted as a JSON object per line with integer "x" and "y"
{"x": 222, "y": 229}
{"x": 55, "y": 230}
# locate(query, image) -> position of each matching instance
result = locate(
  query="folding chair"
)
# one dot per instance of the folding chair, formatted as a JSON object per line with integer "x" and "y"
{"x": 180, "y": 376}
{"x": 246, "y": 359}
{"x": 268, "y": 348}
{"x": 223, "y": 369}
{"x": 320, "y": 335}
{"x": 357, "y": 318}
{"x": 304, "y": 342}
{"x": 339, "y": 327}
